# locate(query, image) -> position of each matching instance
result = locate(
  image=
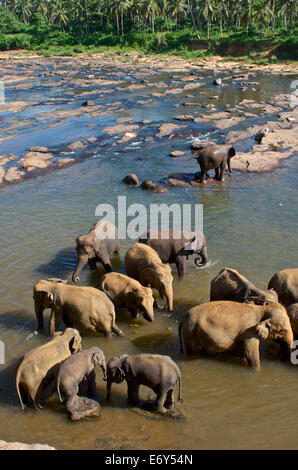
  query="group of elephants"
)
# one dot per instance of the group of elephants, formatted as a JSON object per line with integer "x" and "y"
{"x": 236, "y": 318}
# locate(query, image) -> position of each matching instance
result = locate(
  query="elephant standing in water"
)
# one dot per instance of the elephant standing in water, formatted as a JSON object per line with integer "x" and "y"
{"x": 143, "y": 264}
{"x": 158, "y": 372}
{"x": 229, "y": 284}
{"x": 215, "y": 157}
{"x": 285, "y": 283}
{"x": 97, "y": 246}
{"x": 39, "y": 367}
{"x": 175, "y": 247}
{"x": 222, "y": 325}
{"x": 129, "y": 293}
{"x": 85, "y": 308}
{"x": 74, "y": 371}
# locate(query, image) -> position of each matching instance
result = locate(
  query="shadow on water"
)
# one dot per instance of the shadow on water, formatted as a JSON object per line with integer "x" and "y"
{"x": 12, "y": 320}
{"x": 8, "y": 395}
{"x": 60, "y": 265}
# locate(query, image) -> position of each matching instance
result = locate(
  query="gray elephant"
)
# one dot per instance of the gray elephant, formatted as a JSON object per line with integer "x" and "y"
{"x": 215, "y": 157}
{"x": 223, "y": 325}
{"x": 85, "y": 308}
{"x": 160, "y": 373}
{"x": 174, "y": 247}
{"x": 75, "y": 371}
{"x": 285, "y": 283}
{"x": 229, "y": 284}
{"x": 39, "y": 367}
{"x": 126, "y": 292}
{"x": 97, "y": 246}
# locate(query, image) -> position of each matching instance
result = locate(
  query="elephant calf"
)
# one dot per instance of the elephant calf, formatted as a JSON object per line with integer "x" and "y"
{"x": 222, "y": 325}
{"x": 229, "y": 284}
{"x": 85, "y": 308}
{"x": 129, "y": 293}
{"x": 160, "y": 373}
{"x": 74, "y": 371}
{"x": 38, "y": 368}
{"x": 143, "y": 264}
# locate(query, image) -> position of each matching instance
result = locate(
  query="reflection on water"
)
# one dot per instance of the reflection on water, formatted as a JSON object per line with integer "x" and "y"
{"x": 250, "y": 222}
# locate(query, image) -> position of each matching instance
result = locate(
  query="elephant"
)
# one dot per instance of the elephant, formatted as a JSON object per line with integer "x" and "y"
{"x": 215, "y": 157}
{"x": 39, "y": 368}
{"x": 175, "y": 247}
{"x": 98, "y": 245}
{"x": 222, "y": 325}
{"x": 85, "y": 308}
{"x": 229, "y": 284}
{"x": 292, "y": 311}
{"x": 73, "y": 372}
{"x": 143, "y": 264}
{"x": 158, "y": 372}
{"x": 285, "y": 283}
{"x": 126, "y": 292}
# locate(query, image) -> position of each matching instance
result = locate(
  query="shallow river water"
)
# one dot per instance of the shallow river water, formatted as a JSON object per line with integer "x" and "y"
{"x": 250, "y": 222}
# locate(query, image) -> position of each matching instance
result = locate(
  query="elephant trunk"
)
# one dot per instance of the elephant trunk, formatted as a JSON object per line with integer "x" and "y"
{"x": 286, "y": 346}
{"x": 169, "y": 297}
{"x": 82, "y": 260}
{"x": 104, "y": 369}
{"x": 202, "y": 259}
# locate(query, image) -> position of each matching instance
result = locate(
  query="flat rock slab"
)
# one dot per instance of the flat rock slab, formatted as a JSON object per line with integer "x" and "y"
{"x": 167, "y": 128}
{"x": 21, "y": 446}
{"x": 86, "y": 408}
{"x": 184, "y": 117}
{"x": 120, "y": 129}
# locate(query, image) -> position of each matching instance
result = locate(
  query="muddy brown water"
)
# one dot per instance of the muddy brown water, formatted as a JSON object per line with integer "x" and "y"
{"x": 251, "y": 224}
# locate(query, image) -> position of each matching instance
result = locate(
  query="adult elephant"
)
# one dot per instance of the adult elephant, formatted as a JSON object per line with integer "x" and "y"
{"x": 174, "y": 247}
{"x": 285, "y": 283}
{"x": 229, "y": 284}
{"x": 97, "y": 246}
{"x": 216, "y": 157}
{"x": 143, "y": 264}
{"x": 222, "y": 325}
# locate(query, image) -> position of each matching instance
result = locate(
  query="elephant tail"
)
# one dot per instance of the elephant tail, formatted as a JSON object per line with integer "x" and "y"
{"x": 58, "y": 388}
{"x": 18, "y": 389}
{"x": 180, "y": 388}
{"x": 180, "y": 337}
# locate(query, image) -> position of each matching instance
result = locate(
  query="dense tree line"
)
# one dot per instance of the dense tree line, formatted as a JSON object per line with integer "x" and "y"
{"x": 123, "y": 16}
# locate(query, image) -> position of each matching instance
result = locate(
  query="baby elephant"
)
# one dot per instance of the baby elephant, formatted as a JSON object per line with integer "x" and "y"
{"x": 160, "y": 373}
{"x": 74, "y": 371}
{"x": 215, "y": 157}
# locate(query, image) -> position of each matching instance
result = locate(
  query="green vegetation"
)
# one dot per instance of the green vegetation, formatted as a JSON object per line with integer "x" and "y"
{"x": 191, "y": 28}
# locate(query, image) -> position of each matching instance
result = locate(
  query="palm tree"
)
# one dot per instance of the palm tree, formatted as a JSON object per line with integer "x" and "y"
{"x": 59, "y": 14}
{"x": 208, "y": 13}
{"x": 178, "y": 8}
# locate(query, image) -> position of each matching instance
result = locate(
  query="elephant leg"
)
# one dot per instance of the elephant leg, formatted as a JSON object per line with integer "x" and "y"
{"x": 169, "y": 403}
{"x": 117, "y": 330}
{"x": 133, "y": 393}
{"x": 70, "y": 403}
{"x": 203, "y": 176}
{"x": 160, "y": 400}
{"x": 92, "y": 264}
{"x": 91, "y": 383}
{"x": 181, "y": 264}
{"x": 55, "y": 320}
{"x": 108, "y": 267}
{"x": 251, "y": 352}
{"x": 222, "y": 171}
{"x": 217, "y": 173}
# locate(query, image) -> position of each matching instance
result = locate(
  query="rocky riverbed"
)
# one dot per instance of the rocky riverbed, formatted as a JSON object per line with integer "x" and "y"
{"x": 59, "y": 111}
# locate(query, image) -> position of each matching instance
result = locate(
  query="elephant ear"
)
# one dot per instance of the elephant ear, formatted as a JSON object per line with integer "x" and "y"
{"x": 96, "y": 358}
{"x": 47, "y": 298}
{"x": 231, "y": 152}
{"x": 118, "y": 374}
{"x": 131, "y": 296}
{"x": 263, "y": 329}
{"x": 148, "y": 276}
